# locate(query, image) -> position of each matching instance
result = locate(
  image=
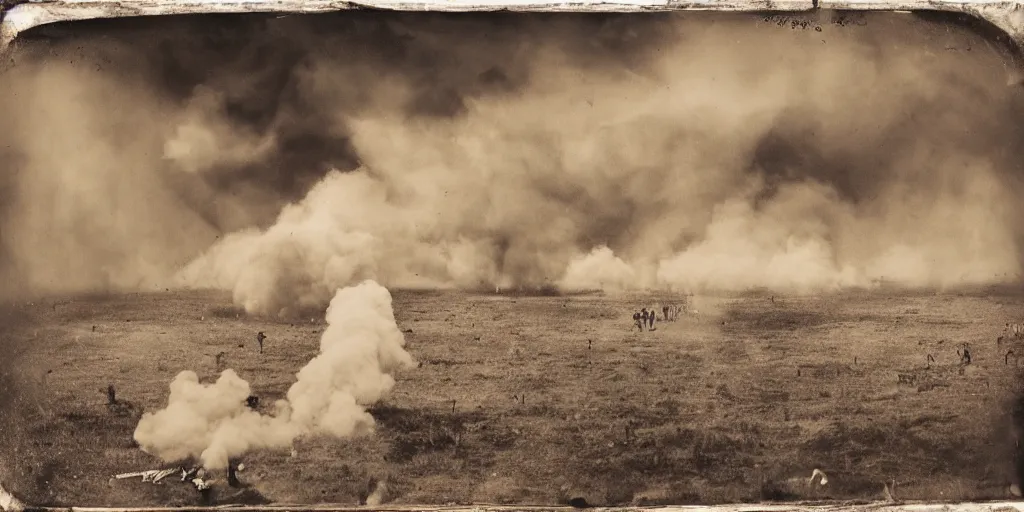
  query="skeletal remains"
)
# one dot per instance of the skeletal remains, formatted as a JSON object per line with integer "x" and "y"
{"x": 197, "y": 476}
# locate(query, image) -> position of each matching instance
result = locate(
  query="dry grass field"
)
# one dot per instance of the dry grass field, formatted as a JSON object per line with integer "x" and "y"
{"x": 540, "y": 399}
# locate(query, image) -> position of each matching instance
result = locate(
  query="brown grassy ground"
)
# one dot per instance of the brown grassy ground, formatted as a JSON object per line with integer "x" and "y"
{"x": 554, "y": 398}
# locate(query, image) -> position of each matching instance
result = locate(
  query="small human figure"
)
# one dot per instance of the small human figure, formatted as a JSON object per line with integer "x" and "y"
{"x": 259, "y": 338}
{"x": 965, "y": 358}
{"x": 650, "y": 320}
{"x": 636, "y": 321}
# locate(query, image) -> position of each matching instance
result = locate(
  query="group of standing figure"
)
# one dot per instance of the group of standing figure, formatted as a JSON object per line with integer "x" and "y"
{"x": 645, "y": 318}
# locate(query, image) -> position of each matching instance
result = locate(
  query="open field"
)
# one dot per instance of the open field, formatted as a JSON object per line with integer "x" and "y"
{"x": 553, "y": 398}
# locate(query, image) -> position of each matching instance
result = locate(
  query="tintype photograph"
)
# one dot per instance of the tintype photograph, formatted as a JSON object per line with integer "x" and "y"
{"x": 381, "y": 258}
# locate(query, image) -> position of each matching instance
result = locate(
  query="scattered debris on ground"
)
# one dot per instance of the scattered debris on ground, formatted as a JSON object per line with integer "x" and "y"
{"x": 197, "y": 476}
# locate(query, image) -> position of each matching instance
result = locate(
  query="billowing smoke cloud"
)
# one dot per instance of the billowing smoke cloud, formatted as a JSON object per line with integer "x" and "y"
{"x": 599, "y": 270}
{"x": 674, "y": 174}
{"x": 703, "y": 153}
{"x": 359, "y": 349}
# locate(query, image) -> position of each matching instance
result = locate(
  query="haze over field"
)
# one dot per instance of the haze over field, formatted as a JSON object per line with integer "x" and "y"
{"x": 284, "y": 158}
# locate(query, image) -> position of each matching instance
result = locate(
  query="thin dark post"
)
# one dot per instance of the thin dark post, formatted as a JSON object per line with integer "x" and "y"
{"x": 111, "y": 395}
{"x": 232, "y": 475}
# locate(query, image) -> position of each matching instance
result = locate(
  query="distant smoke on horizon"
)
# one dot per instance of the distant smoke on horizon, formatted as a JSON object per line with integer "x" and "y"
{"x": 282, "y": 159}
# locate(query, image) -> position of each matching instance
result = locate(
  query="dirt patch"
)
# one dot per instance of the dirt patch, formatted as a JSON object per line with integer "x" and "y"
{"x": 737, "y": 320}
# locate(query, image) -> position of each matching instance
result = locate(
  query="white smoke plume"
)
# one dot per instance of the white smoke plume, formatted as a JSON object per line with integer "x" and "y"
{"x": 377, "y": 496}
{"x": 600, "y": 270}
{"x": 359, "y": 349}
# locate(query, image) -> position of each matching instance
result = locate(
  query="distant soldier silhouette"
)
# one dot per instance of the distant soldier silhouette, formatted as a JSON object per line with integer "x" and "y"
{"x": 664, "y": 311}
{"x": 965, "y": 356}
{"x": 650, "y": 319}
{"x": 645, "y": 316}
{"x": 636, "y": 321}
{"x": 259, "y": 339}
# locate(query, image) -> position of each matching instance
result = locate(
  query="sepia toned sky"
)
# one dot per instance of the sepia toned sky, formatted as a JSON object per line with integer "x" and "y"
{"x": 281, "y": 158}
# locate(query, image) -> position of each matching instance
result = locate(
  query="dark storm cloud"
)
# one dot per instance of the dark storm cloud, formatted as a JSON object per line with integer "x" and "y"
{"x": 259, "y": 67}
